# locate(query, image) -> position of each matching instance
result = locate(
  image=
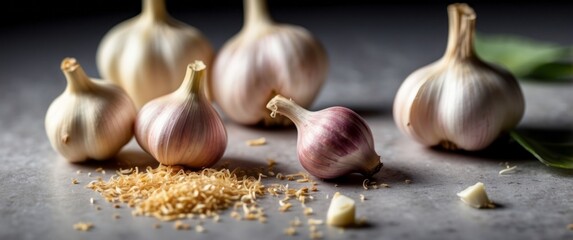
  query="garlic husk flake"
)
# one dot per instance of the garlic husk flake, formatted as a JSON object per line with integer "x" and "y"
{"x": 331, "y": 142}
{"x": 91, "y": 119}
{"x": 459, "y": 101}
{"x": 182, "y": 128}
{"x": 265, "y": 59}
{"x": 148, "y": 54}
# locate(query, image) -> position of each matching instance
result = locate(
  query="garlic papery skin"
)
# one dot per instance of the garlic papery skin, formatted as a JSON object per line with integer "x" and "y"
{"x": 331, "y": 142}
{"x": 459, "y": 101}
{"x": 182, "y": 128}
{"x": 263, "y": 60}
{"x": 91, "y": 119}
{"x": 148, "y": 54}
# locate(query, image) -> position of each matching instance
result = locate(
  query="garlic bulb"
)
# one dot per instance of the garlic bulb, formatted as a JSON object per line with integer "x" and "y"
{"x": 263, "y": 60}
{"x": 147, "y": 55}
{"x": 90, "y": 119}
{"x": 332, "y": 142}
{"x": 182, "y": 128}
{"x": 459, "y": 102}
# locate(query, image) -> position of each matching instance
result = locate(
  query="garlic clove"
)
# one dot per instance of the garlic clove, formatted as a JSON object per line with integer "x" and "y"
{"x": 332, "y": 142}
{"x": 476, "y": 196}
{"x": 148, "y": 54}
{"x": 458, "y": 102}
{"x": 91, "y": 119}
{"x": 182, "y": 128}
{"x": 263, "y": 60}
{"x": 341, "y": 212}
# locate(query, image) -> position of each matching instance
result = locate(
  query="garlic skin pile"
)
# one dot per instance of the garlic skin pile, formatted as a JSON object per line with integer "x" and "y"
{"x": 182, "y": 128}
{"x": 263, "y": 60}
{"x": 332, "y": 142}
{"x": 91, "y": 119}
{"x": 148, "y": 54}
{"x": 459, "y": 101}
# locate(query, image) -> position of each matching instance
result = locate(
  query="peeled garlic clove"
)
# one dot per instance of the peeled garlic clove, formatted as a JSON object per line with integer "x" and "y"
{"x": 332, "y": 142}
{"x": 91, "y": 119}
{"x": 148, "y": 54}
{"x": 476, "y": 197}
{"x": 341, "y": 212}
{"x": 459, "y": 102}
{"x": 263, "y": 60}
{"x": 182, "y": 128}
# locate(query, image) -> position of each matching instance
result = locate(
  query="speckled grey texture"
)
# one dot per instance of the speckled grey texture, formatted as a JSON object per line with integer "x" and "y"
{"x": 371, "y": 50}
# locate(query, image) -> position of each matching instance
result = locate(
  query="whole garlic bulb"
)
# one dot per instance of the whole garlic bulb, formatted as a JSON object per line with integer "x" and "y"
{"x": 459, "y": 102}
{"x": 90, "y": 119}
{"x": 147, "y": 55}
{"x": 263, "y": 60}
{"x": 332, "y": 142}
{"x": 182, "y": 128}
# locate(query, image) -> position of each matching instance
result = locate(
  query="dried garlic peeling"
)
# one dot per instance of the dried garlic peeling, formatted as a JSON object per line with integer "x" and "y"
{"x": 476, "y": 197}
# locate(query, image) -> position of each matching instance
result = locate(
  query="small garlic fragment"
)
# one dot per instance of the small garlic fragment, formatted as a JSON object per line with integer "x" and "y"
{"x": 475, "y": 196}
{"x": 91, "y": 119}
{"x": 341, "y": 212}
{"x": 332, "y": 142}
{"x": 182, "y": 128}
{"x": 264, "y": 59}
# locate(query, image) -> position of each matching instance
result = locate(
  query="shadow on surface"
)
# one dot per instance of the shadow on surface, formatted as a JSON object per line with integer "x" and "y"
{"x": 386, "y": 175}
{"x": 502, "y": 149}
{"x": 506, "y": 149}
{"x": 125, "y": 159}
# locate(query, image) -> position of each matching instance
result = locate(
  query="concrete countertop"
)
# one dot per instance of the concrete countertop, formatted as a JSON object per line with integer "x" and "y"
{"x": 371, "y": 50}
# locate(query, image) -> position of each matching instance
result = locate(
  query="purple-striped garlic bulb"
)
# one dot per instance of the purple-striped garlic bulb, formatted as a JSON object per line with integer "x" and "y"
{"x": 182, "y": 128}
{"x": 331, "y": 142}
{"x": 264, "y": 59}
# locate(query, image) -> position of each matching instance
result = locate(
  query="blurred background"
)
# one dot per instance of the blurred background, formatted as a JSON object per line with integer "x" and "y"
{"x": 379, "y": 42}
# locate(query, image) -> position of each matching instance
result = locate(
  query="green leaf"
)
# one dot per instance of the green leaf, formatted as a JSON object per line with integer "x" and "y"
{"x": 526, "y": 58}
{"x": 557, "y": 153}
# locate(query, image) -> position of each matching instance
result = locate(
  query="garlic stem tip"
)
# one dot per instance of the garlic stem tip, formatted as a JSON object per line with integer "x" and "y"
{"x": 374, "y": 170}
{"x": 69, "y": 64}
{"x": 197, "y": 65}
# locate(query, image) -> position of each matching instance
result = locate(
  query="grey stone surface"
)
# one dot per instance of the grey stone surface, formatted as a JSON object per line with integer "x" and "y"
{"x": 371, "y": 49}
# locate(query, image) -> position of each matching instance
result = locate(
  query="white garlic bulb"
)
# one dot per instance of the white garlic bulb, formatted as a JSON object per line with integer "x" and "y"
{"x": 263, "y": 60}
{"x": 331, "y": 142}
{"x": 459, "y": 102}
{"x": 90, "y": 119}
{"x": 182, "y": 128}
{"x": 148, "y": 54}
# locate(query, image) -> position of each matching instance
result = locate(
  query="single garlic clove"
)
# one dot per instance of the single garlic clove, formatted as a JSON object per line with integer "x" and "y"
{"x": 341, "y": 212}
{"x": 182, "y": 128}
{"x": 148, "y": 54}
{"x": 476, "y": 196}
{"x": 332, "y": 142}
{"x": 459, "y": 102}
{"x": 91, "y": 119}
{"x": 263, "y": 60}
